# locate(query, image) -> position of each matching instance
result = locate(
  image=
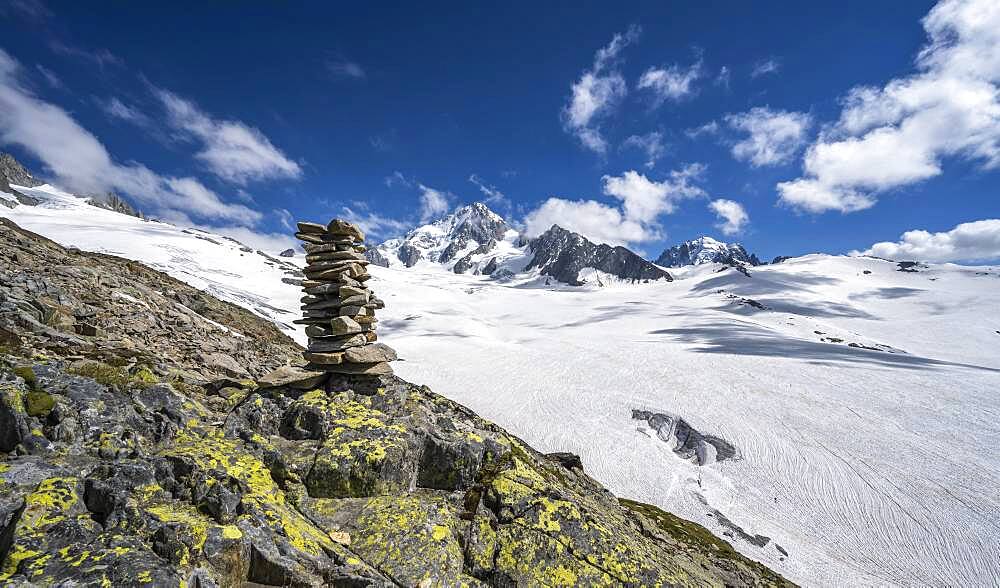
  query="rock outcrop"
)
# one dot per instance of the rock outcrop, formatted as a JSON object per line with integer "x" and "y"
{"x": 125, "y": 460}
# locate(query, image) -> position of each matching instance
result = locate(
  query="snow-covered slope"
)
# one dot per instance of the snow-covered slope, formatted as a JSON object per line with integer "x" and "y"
{"x": 221, "y": 266}
{"x": 705, "y": 250}
{"x": 866, "y": 467}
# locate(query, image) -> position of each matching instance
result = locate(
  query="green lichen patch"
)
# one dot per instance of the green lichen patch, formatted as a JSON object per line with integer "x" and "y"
{"x": 38, "y": 403}
{"x": 110, "y": 375}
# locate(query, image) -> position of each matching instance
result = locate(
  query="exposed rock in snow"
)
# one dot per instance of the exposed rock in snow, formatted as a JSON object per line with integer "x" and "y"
{"x": 112, "y": 201}
{"x": 686, "y": 441}
{"x": 706, "y": 250}
{"x": 13, "y": 172}
{"x": 563, "y": 254}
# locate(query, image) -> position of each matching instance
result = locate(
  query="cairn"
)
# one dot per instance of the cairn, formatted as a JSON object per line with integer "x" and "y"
{"x": 338, "y": 309}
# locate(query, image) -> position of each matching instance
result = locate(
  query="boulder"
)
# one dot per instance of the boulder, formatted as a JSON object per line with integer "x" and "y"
{"x": 293, "y": 377}
{"x": 344, "y": 325}
{"x": 373, "y": 353}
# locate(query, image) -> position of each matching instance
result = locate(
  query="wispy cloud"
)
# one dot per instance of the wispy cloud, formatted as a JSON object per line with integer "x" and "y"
{"x": 765, "y": 67}
{"x": 102, "y": 58}
{"x": 117, "y": 109}
{"x": 345, "y": 68}
{"x": 651, "y": 144}
{"x": 597, "y": 92}
{"x": 49, "y": 76}
{"x": 31, "y": 10}
{"x": 492, "y": 193}
{"x": 232, "y": 150}
{"x": 723, "y": 77}
{"x": 374, "y": 226}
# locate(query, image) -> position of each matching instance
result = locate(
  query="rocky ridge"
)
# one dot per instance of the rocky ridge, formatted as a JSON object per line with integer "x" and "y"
{"x": 126, "y": 459}
{"x": 563, "y": 254}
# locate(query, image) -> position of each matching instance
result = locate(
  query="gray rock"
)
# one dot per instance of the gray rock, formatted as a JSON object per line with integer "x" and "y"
{"x": 337, "y": 343}
{"x": 287, "y": 253}
{"x": 293, "y": 377}
{"x": 344, "y": 325}
{"x": 376, "y": 352}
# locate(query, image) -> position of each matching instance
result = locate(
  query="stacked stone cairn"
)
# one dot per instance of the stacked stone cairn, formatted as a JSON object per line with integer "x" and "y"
{"x": 338, "y": 308}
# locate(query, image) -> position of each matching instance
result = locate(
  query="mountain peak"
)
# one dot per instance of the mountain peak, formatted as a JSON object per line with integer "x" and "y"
{"x": 705, "y": 249}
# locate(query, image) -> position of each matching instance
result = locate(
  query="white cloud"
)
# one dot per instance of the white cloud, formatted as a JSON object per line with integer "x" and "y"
{"x": 492, "y": 193}
{"x": 643, "y": 201}
{"x": 672, "y": 83}
{"x": 232, "y": 150}
{"x": 397, "y": 178}
{"x": 973, "y": 241}
{"x": 765, "y": 67}
{"x": 596, "y": 93}
{"x": 651, "y": 144}
{"x": 433, "y": 203}
{"x": 732, "y": 215}
{"x": 78, "y": 161}
{"x": 118, "y": 109}
{"x": 343, "y": 68}
{"x": 709, "y": 128}
{"x": 899, "y": 134}
{"x": 773, "y": 136}
{"x": 371, "y": 224}
{"x": 266, "y": 242}
{"x": 723, "y": 78}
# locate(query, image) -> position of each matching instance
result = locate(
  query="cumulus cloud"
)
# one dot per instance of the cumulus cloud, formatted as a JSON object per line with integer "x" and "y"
{"x": 651, "y": 144}
{"x": 78, "y": 161}
{"x": 643, "y": 201}
{"x": 232, "y": 150}
{"x": 732, "y": 216}
{"x": 772, "y": 137}
{"x": 709, "y": 128}
{"x": 973, "y": 241}
{"x": 898, "y": 134}
{"x": 672, "y": 83}
{"x": 596, "y": 93}
{"x": 765, "y": 67}
{"x": 433, "y": 203}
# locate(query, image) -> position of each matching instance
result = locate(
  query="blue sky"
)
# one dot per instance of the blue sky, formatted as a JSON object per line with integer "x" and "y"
{"x": 791, "y": 127}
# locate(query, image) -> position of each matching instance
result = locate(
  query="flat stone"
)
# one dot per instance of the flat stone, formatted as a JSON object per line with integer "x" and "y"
{"x": 359, "y": 300}
{"x": 327, "y": 345}
{"x": 335, "y": 256}
{"x": 323, "y": 358}
{"x": 341, "y": 227}
{"x": 366, "y": 320}
{"x": 370, "y": 336}
{"x": 327, "y": 275}
{"x": 333, "y": 264}
{"x": 372, "y": 353}
{"x": 310, "y": 238}
{"x": 343, "y": 325}
{"x": 346, "y": 291}
{"x": 371, "y": 369}
{"x": 312, "y": 228}
{"x": 327, "y": 246}
{"x": 353, "y": 311}
{"x": 318, "y": 331}
{"x": 323, "y": 288}
{"x": 331, "y": 303}
{"x": 292, "y": 377}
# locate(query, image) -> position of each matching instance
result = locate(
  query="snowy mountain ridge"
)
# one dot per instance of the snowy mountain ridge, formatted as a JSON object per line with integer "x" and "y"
{"x": 706, "y": 250}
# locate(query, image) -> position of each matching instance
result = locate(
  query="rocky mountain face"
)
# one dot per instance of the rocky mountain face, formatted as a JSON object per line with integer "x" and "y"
{"x": 13, "y": 172}
{"x": 563, "y": 254}
{"x": 132, "y": 452}
{"x": 706, "y": 250}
